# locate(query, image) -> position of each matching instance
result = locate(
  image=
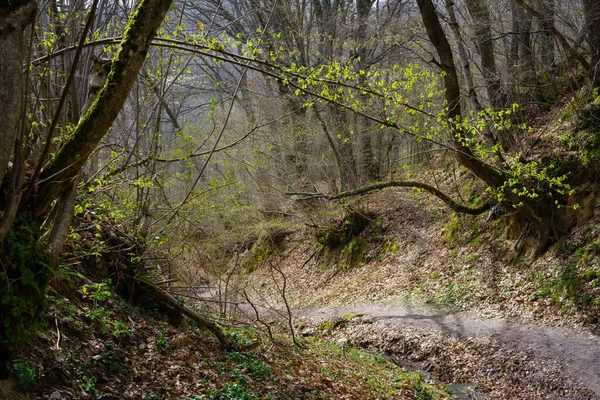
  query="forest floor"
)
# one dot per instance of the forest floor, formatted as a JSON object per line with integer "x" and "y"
{"x": 479, "y": 359}
{"x": 434, "y": 293}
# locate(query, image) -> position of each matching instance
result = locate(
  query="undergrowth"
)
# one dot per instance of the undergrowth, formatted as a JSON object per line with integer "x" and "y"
{"x": 107, "y": 347}
{"x": 345, "y": 243}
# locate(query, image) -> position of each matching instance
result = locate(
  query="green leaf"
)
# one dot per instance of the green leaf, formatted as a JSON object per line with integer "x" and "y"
{"x": 28, "y": 277}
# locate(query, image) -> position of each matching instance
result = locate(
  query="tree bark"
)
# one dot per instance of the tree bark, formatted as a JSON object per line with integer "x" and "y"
{"x": 14, "y": 18}
{"x": 591, "y": 10}
{"x": 547, "y": 37}
{"x": 480, "y": 16}
{"x": 369, "y": 169}
{"x": 463, "y": 53}
{"x": 522, "y": 60}
{"x": 570, "y": 50}
{"x": 141, "y": 28}
{"x": 438, "y": 38}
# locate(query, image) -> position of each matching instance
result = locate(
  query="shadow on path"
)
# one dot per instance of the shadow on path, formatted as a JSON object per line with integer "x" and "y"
{"x": 576, "y": 354}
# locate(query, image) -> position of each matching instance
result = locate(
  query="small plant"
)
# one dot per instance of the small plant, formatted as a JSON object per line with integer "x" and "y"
{"x": 88, "y": 385}
{"x": 240, "y": 338}
{"x": 98, "y": 292}
{"x": 390, "y": 246}
{"x": 153, "y": 396}
{"x": 233, "y": 391}
{"x": 26, "y": 375}
{"x": 162, "y": 342}
{"x": 111, "y": 359}
{"x": 250, "y": 363}
{"x": 121, "y": 330}
{"x": 566, "y": 289}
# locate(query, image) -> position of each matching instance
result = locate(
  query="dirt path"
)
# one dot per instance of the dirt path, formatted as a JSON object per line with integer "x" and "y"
{"x": 484, "y": 358}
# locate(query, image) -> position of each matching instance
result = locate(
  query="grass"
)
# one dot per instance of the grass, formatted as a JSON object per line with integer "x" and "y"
{"x": 371, "y": 374}
{"x": 569, "y": 288}
{"x": 155, "y": 360}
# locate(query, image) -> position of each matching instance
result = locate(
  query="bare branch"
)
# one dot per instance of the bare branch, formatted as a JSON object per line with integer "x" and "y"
{"x": 450, "y": 202}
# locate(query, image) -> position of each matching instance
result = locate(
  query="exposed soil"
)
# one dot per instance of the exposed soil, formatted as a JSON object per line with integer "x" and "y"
{"x": 446, "y": 301}
{"x": 481, "y": 358}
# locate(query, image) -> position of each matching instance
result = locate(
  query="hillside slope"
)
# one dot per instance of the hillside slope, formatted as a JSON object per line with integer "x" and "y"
{"x": 434, "y": 290}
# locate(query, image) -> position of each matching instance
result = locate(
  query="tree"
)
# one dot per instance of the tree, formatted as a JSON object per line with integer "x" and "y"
{"x": 464, "y": 57}
{"x": 534, "y": 209}
{"x": 480, "y": 16}
{"x": 592, "y": 20}
{"x": 14, "y": 19}
{"x": 24, "y": 284}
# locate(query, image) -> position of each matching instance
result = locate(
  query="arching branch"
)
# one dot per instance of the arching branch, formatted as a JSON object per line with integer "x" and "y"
{"x": 450, "y": 202}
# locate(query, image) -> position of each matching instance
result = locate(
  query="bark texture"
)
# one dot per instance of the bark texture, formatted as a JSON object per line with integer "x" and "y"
{"x": 14, "y": 18}
{"x": 592, "y": 20}
{"x": 437, "y": 36}
{"x": 480, "y": 16}
{"x": 142, "y": 27}
{"x": 463, "y": 53}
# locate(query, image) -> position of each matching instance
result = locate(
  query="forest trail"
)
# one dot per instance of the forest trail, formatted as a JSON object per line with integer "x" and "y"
{"x": 560, "y": 361}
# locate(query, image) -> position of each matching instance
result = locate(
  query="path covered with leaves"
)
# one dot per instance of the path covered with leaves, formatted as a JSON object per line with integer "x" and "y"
{"x": 482, "y": 359}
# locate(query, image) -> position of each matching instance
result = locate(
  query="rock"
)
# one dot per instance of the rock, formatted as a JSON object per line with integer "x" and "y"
{"x": 308, "y": 332}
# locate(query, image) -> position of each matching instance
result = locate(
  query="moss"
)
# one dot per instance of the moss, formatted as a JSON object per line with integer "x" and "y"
{"x": 340, "y": 234}
{"x": 346, "y": 242}
{"x": 569, "y": 289}
{"x": 269, "y": 242}
{"x": 352, "y": 254}
{"x": 461, "y": 229}
{"x": 326, "y": 327}
{"x": 390, "y": 246}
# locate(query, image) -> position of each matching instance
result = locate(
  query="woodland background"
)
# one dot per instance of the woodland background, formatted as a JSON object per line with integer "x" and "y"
{"x": 171, "y": 135}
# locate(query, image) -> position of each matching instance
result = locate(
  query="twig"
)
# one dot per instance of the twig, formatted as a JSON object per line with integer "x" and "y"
{"x": 287, "y": 305}
{"x": 57, "y": 334}
{"x": 257, "y": 316}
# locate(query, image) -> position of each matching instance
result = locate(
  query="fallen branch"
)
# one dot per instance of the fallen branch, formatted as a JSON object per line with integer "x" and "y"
{"x": 161, "y": 295}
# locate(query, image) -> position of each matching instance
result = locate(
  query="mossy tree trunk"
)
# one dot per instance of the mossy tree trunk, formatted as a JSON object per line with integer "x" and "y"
{"x": 24, "y": 256}
{"x": 534, "y": 213}
{"x": 65, "y": 166}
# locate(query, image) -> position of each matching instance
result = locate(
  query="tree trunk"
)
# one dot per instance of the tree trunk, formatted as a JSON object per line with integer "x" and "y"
{"x": 13, "y": 21}
{"x": 527, "y": 61}
{"x": 142, "y": 27}
{"x": 523, "y": 63}
{"x": 368, "y": 168}
{"x": 480, "y": 16}
{"x": 535, "y": 212}
{"x": 341, "y": 121}
{"x": 466, "y": 67}
{"x": 24, "y": 258}
{"x": 463, "y": 53}
{"x": 437, "y": 36}
{"x": 547, "y": 37}
{"x": 591, "y": 10}
{"x": 570, "y": 50}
